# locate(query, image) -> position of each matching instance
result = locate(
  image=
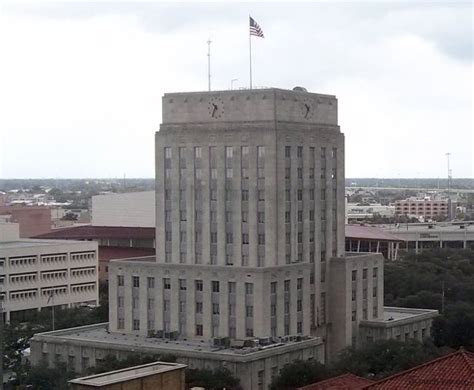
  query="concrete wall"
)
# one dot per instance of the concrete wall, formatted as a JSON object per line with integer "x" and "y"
{"x": 42, "y": 273}
{"x": 130, "y": 209}
{"x": 352, "y": 301}
{"x": 9, "y": 231}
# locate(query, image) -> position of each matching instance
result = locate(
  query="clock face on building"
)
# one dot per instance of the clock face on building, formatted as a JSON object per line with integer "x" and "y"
{"x": 306, "y": 108}
{"x": 216, "y": 107}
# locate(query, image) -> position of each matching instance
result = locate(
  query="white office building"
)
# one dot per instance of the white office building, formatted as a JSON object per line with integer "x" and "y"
{"x": 35, "y": 274}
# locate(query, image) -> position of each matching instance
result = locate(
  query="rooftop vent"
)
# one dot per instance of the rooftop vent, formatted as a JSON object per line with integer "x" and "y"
{"x": 300, "y": 89}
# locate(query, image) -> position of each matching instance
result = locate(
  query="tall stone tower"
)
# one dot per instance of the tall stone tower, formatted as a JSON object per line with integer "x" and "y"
{"x": 250, "y": 210}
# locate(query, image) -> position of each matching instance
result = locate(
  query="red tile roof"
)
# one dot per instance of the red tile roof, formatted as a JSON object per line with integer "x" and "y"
{"x": 342, "y": 382}
{"x": 94, "y": 232}
{"x": 369, "y": 233}
{"x": 107, "y": 253}
{"x": 450, "y": 372}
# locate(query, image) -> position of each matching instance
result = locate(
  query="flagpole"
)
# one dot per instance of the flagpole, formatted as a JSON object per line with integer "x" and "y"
{"x": 250, "y": 57}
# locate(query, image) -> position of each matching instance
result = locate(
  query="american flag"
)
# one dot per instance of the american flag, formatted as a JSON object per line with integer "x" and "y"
{"x": 255, "y": 28}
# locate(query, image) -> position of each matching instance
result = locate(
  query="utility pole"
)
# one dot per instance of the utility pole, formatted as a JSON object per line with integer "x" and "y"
{"x": 209, "y": 63}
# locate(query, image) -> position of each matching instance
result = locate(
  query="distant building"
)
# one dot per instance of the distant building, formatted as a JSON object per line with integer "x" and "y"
{"x": 35, "y": 274}
{"x": 132, "y": 209}
{"x": 372, "y": 239}
{"x": 364, "y": 212}
{"x": 33, "y": 220}
{"x": 417, "y": 237}
{"x": 427, "y": 207}
{"x": 152, "y": 376}
{"x": 114, "y": 242}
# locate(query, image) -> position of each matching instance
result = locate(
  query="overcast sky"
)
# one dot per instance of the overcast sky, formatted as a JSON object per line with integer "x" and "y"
{"x": 81, "y": 83}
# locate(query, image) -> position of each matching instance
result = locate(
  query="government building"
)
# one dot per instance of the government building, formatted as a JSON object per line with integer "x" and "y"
{"x": 250, "y": 271}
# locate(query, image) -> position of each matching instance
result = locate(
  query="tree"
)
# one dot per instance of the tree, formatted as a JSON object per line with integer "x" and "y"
{"x": 300, "y": 373}
{"x": 385, "y": 357}
{"x": 41, "y": 377}
{"x": 218, "y": 379}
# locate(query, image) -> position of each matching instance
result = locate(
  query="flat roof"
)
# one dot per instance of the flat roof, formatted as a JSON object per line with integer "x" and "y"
{"x": 92, "y": 232}
{"x": 369, "y": 233}
{"x": 29, "y": 243}
{"x": 400, "y": 315}
{"x": 127, "y": 374}
{"x": 457, "y": 227}
{"x": 98, "y": 335}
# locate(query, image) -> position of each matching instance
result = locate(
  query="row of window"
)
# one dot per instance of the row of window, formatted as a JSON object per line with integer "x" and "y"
{"x": 365, "y": 272}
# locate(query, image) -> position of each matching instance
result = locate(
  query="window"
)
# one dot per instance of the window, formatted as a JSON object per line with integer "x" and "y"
{"x": 197, "y": 152}
{"x": 228, "y": 216}
{"x": 245, "y": 173}
{"x": 120, "y": 301}
{"x": 198, "y": 285}
{"x": 249, "y": 311}
{"x": 215, "y": 286}
{"x": 299, "y": 305}
{"x": 167, "y": 216}
{"x": 354, "y": 315}
{"x": 311, "y": 194}
{"x": 150, "y": 303}
{"x": 300, "y": 237}
{"x": 273, "y": 287}
{"x": 136, "y": 281}
{"x": 364, "y": 314}
{"x": 231, "y": 310}
{"x": 375, "y": 312}
{"x": 151, "y": 282}
{"x": 300, "y": 194}
{"x": 287, "y": 151}
{"x": 167, "y": 153}
{"x": 323, "y": 194}
{"x": 213, "y": 194}
{"x": 198, "y": 173}
{"x": 182, "y": 284}
{"x": 261, "y": 195}
{"x": 245, "y": 195}
{"x": 245, "y": 216}
{"x": 364, "y": 293}
{"x": 311, "y": 173}
{"x": 311, "y": 215}
{"x": 249, "y": 332}
{"x": 213, "y": 173}
{"x": 374, "y": 291}
{"x": 229, "y": 238}
{"x": 213, "y": 216}
{"x": 375, "y": 272}
{"x": 287, "y": 217}
{"x": 273, "y": 310}
{"x": 300, "y": 216}
{"x": 245, "y": 151}
{"x": 120, "y": 280}
{"x": 299, "y": 283}
{"x": 199, "y": 330}
{"x": 198, "y": 307}
{"x": 300, "y": 151}
{"x": 261, "y": 239}
{"x": 288, "y": 238}
{"x": 136, "y": 324}
{"x": 166, "y": 283}
{"x": 229, "y": 151}
{"x": 231, "y": 286}
{"x": 213, "y": 237}
{"x": 245, "y": 238}
{"x": 287, "y": 173}
{"x": 354, "y": 295}
{"x": 260, "y": 151}
{"x": 166, "y": 305}
{"x": 261, "y": 216}
{"x": 182, "y": 215}
{"x": 354, "y": 275}
{"x": 215, "y": 308}
{"x": 229, "y": 173}
{"x": 287, "y": 286}
{"x": 364, "y": 273}
{"x": 248, "y": 288}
